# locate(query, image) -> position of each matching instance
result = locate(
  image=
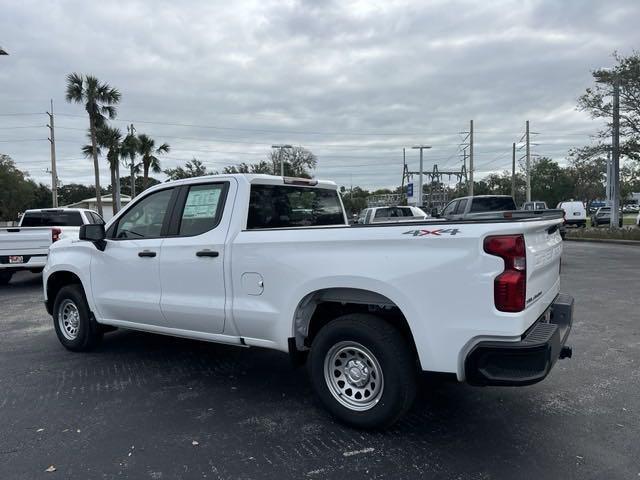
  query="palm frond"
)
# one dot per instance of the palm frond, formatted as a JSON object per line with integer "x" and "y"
{"x": 164, "y": 148}
{"x": 74, "y": 91}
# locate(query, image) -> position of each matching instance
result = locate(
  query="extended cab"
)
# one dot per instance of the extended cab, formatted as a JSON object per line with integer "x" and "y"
{"x": 257, "y": 260}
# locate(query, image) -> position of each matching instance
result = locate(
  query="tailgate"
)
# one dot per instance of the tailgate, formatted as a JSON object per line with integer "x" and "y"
{"x": 544, "y": 248}
{"x": 25, "y": 240}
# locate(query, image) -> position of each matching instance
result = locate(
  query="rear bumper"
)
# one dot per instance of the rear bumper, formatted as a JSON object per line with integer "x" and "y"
{"x": 529, "y": 360}
{"x": 576, "y": 223}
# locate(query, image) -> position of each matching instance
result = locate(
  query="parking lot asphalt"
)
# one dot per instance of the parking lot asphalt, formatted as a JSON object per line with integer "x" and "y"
{"x": 148, "y": 406}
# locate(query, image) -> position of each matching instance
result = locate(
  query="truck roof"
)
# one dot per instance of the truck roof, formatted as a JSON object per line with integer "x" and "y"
{"x": 255, "y": 178}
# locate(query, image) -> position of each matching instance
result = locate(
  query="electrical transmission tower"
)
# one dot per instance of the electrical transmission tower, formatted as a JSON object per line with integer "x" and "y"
{"x": 438, "y": 194}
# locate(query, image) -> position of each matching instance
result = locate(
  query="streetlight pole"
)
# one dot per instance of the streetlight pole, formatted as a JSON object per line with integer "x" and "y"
{"x": 421, "y": 178}
{"x": 615, "y": 154}
{"x": 611, "y": 77}
{"x": 280, "y": 159}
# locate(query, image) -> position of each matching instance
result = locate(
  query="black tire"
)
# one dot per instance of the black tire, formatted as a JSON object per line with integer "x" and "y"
{"x": 5, "y": 277}
{"x": 86, "y": 331}
{"x": 392, "y": 354}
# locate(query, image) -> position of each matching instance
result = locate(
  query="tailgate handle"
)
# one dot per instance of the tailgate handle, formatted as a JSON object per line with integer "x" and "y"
{"x": 207, "y": 253}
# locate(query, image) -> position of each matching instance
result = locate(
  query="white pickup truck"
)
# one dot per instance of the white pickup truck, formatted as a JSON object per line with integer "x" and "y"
{"x": 265, "y": 261}
{"x": 26, "y": 246}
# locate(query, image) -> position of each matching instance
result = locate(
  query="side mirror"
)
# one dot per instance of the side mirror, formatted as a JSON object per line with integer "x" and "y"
{"x": 434, "y": 213}
{"x": 94, "y": 232}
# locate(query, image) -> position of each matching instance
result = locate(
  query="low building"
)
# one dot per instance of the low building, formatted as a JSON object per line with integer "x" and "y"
{"x": 107, "y": 205}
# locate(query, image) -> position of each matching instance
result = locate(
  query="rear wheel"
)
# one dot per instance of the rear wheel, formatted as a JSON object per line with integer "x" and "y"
{"x": 5, "y": 277}
{"x": 74, "y": 325}
{"x": 363, "y": 370}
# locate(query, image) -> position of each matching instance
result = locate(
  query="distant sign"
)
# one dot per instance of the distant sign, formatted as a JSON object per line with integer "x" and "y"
{"x": 410, "y": 190}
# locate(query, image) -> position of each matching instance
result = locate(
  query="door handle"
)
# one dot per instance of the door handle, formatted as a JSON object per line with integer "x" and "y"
{"x": 207, "y": 253}
{"x": 146, "y": 253}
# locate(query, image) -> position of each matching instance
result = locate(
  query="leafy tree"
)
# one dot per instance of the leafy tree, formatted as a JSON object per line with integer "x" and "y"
{"x": 550, "y": 182}
{"x": 587, "y": 175}
{"x": 18, "y": 191}
{"x": 298, "y": 161}
{"x": 260, "y": 167}
{"x": 99, "y": 101}
{"x": 74, "y": 192}
{"x": 354, "y": 199}
{"x": 42, "y": 196}
{"x": 147, "y": 150}
{"x": 629, "y": 179}
{"x": 193, "y": 168}
{"x": 125, "y": 183}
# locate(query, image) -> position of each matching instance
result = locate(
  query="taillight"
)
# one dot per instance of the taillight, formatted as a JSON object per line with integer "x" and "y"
{"x": 509, "y": 289}
{"x": 564, "y": 217}
{"x": 55, "y": 234}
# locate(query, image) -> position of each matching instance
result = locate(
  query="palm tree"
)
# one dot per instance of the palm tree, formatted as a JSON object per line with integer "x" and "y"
{"x": 109, "y": 138}
{"x": 99, "y": 100}
{"x": 148, "y": 151}
{"x": 129, "y": 149}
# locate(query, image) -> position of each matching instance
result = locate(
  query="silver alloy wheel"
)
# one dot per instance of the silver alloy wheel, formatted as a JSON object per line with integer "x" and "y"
{"x": 353, "y": 375}
{"x": 69, "y": 319}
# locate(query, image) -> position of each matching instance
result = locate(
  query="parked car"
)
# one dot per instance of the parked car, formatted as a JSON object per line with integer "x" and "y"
{"x": 390, "y": 214}
{"x": 223, "y": 259}
{"x": 603, "y": 217}
{"x": 25, "y": 247}
{"x": 539, "y": 206}
{"x": 468, "y": 207}
{"x": 575, "y": 213}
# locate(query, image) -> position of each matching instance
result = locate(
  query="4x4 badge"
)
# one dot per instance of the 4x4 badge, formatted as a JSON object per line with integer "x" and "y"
{"x": 423, "y": 232}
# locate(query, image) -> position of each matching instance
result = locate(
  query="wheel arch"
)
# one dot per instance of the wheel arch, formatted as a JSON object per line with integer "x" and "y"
{"x": 320, "y": 306}
{"x": 56, "y": 281}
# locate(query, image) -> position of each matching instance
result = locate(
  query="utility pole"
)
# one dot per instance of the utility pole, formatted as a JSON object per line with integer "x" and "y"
{"x": 131, "y": 131}
{"x": 280, "y": 159}
{"x": 513, "y": 170}
{"x": 471, "y": 158}
{"x": 528, "y": 154}
{"x": 615, "y": 154}
{"x": 404, "y": 168}
{"x": 421, "y": 177}
{"x": 54, "y": 174}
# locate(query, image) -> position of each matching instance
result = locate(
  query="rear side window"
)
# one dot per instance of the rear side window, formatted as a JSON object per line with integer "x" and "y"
{"x": 462, "y": 204}
{"x": 276, "y": 206}
{"x": 52, "y": 219}
{"x": 492, "y": 204}
{"x": 202, "y": 209}
{"x": 383, "y": 213}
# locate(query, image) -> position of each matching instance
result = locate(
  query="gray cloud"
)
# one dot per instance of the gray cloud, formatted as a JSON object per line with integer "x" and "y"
{"x": 354, "y": 82}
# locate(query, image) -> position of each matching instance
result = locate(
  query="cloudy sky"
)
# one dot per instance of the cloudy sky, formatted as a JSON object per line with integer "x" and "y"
{"x": 354, "y": 82}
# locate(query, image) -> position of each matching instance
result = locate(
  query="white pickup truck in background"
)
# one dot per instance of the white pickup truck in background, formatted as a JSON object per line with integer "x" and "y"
{"x": 257, "y": 260}
{"x": 26, "y": 246}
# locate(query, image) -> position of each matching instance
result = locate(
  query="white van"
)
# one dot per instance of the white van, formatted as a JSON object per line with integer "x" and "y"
{"x": 574, "y": 213}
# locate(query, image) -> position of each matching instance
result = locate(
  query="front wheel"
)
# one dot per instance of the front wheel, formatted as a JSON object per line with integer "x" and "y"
{"x": 72, "y": 320}
{"x": 363, "y": 371}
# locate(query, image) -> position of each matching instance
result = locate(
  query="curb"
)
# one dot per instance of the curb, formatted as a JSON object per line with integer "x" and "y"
{"x": 603, "y": 240}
